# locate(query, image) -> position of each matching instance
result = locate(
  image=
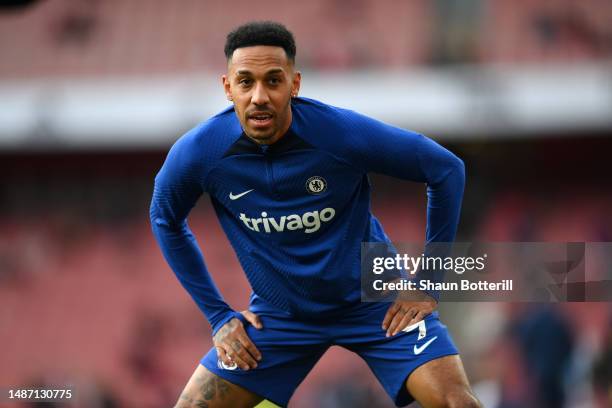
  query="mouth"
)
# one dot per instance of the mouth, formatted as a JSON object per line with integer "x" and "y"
{"x": 260, "y": 119}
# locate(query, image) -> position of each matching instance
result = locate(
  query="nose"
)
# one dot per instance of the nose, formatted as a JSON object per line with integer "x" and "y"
{"x": 260, "y": 95}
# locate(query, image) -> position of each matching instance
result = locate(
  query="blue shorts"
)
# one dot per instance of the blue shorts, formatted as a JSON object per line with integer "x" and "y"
{"x": 291, "y": 347}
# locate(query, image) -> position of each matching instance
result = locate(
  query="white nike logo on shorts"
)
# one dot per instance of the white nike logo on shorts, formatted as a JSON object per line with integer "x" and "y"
{"x": 419, "y": 350}
{"x": 237, "y": 196}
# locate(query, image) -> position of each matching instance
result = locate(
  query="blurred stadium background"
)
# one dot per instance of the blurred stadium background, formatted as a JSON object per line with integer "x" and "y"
{"x": 93, "y": 93}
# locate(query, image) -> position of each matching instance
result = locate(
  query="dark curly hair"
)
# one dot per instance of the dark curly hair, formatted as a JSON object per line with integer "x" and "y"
{"x": 260, "y": 33}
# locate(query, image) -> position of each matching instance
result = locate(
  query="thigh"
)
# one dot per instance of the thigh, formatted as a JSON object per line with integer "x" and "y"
{"x": 207, "y": 390}
{"x": 394, "y": 359}
{"x": 289, "y": 348}
{"x": 440, "y": 383}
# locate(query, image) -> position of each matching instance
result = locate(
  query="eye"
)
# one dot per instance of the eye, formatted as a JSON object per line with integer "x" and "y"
{"x": 274, "y": 81}
{"x": 245, "y": 81}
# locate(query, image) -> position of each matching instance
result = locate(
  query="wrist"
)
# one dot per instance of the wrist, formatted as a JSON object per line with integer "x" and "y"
{"x": 231, "y": 314}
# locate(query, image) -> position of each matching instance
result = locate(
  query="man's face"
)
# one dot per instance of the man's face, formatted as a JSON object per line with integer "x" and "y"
{"x": 260, "y": 81}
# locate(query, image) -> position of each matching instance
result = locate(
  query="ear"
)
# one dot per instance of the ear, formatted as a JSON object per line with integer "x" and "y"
{"x": 226, "y": 87}
{"x": 295, "y": 86}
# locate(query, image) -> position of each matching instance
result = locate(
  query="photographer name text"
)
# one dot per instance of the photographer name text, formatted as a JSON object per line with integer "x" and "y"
{"x": 428, "y": 285}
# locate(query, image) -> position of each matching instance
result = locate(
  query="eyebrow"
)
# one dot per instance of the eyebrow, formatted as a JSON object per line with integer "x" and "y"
{"x": 270, "y": 72}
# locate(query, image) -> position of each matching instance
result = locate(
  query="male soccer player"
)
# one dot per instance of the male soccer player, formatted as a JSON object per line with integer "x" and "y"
{"x": 287, "y": 177}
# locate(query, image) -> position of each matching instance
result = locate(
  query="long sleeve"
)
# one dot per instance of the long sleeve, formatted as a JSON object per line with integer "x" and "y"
{"x": 385, "y": 149}
{"x": 178, "y": 186}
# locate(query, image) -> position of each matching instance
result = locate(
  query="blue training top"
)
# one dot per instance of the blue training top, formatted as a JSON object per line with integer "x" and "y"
{"x": 297, "y": 211}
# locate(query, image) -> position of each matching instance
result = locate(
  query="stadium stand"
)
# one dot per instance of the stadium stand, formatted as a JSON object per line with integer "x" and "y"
{"x": 85, "y": 296}
{"x": 61, "y": 38}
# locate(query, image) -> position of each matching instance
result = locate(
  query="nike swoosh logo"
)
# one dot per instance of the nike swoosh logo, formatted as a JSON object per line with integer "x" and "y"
{"x": 237, "y": 196}
{"x": 419, "y": 350}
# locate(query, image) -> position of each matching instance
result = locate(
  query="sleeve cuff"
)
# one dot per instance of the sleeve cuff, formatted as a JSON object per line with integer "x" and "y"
{"x": 229, "y": 316}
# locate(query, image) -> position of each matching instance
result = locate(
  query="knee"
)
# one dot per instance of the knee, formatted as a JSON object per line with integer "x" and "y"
{"x": 188, "y": 402}
{"x": 192, "y": 404}
{"x": 457, "y": 399}
{"x": 184, "y": 403}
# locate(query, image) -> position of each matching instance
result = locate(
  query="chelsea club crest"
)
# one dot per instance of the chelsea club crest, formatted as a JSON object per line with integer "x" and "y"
{"x": 316, "y": 185}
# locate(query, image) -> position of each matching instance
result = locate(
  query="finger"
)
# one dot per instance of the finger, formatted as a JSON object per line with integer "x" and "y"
{"x": 394, "y": 321}
{"x": 397, "y": 319}
{"x": 236, "y": 359}
{"x": 389, "y": 315}
{"x": 418, "y": 317}
{"x": 240, "y": 353}
{"x": 404, "y": 322}
{"x": 250, "y": 347}
{"x": 253, "y": 319}
{"x": 224, "y": 357}
{"x": 247, "y": 344}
